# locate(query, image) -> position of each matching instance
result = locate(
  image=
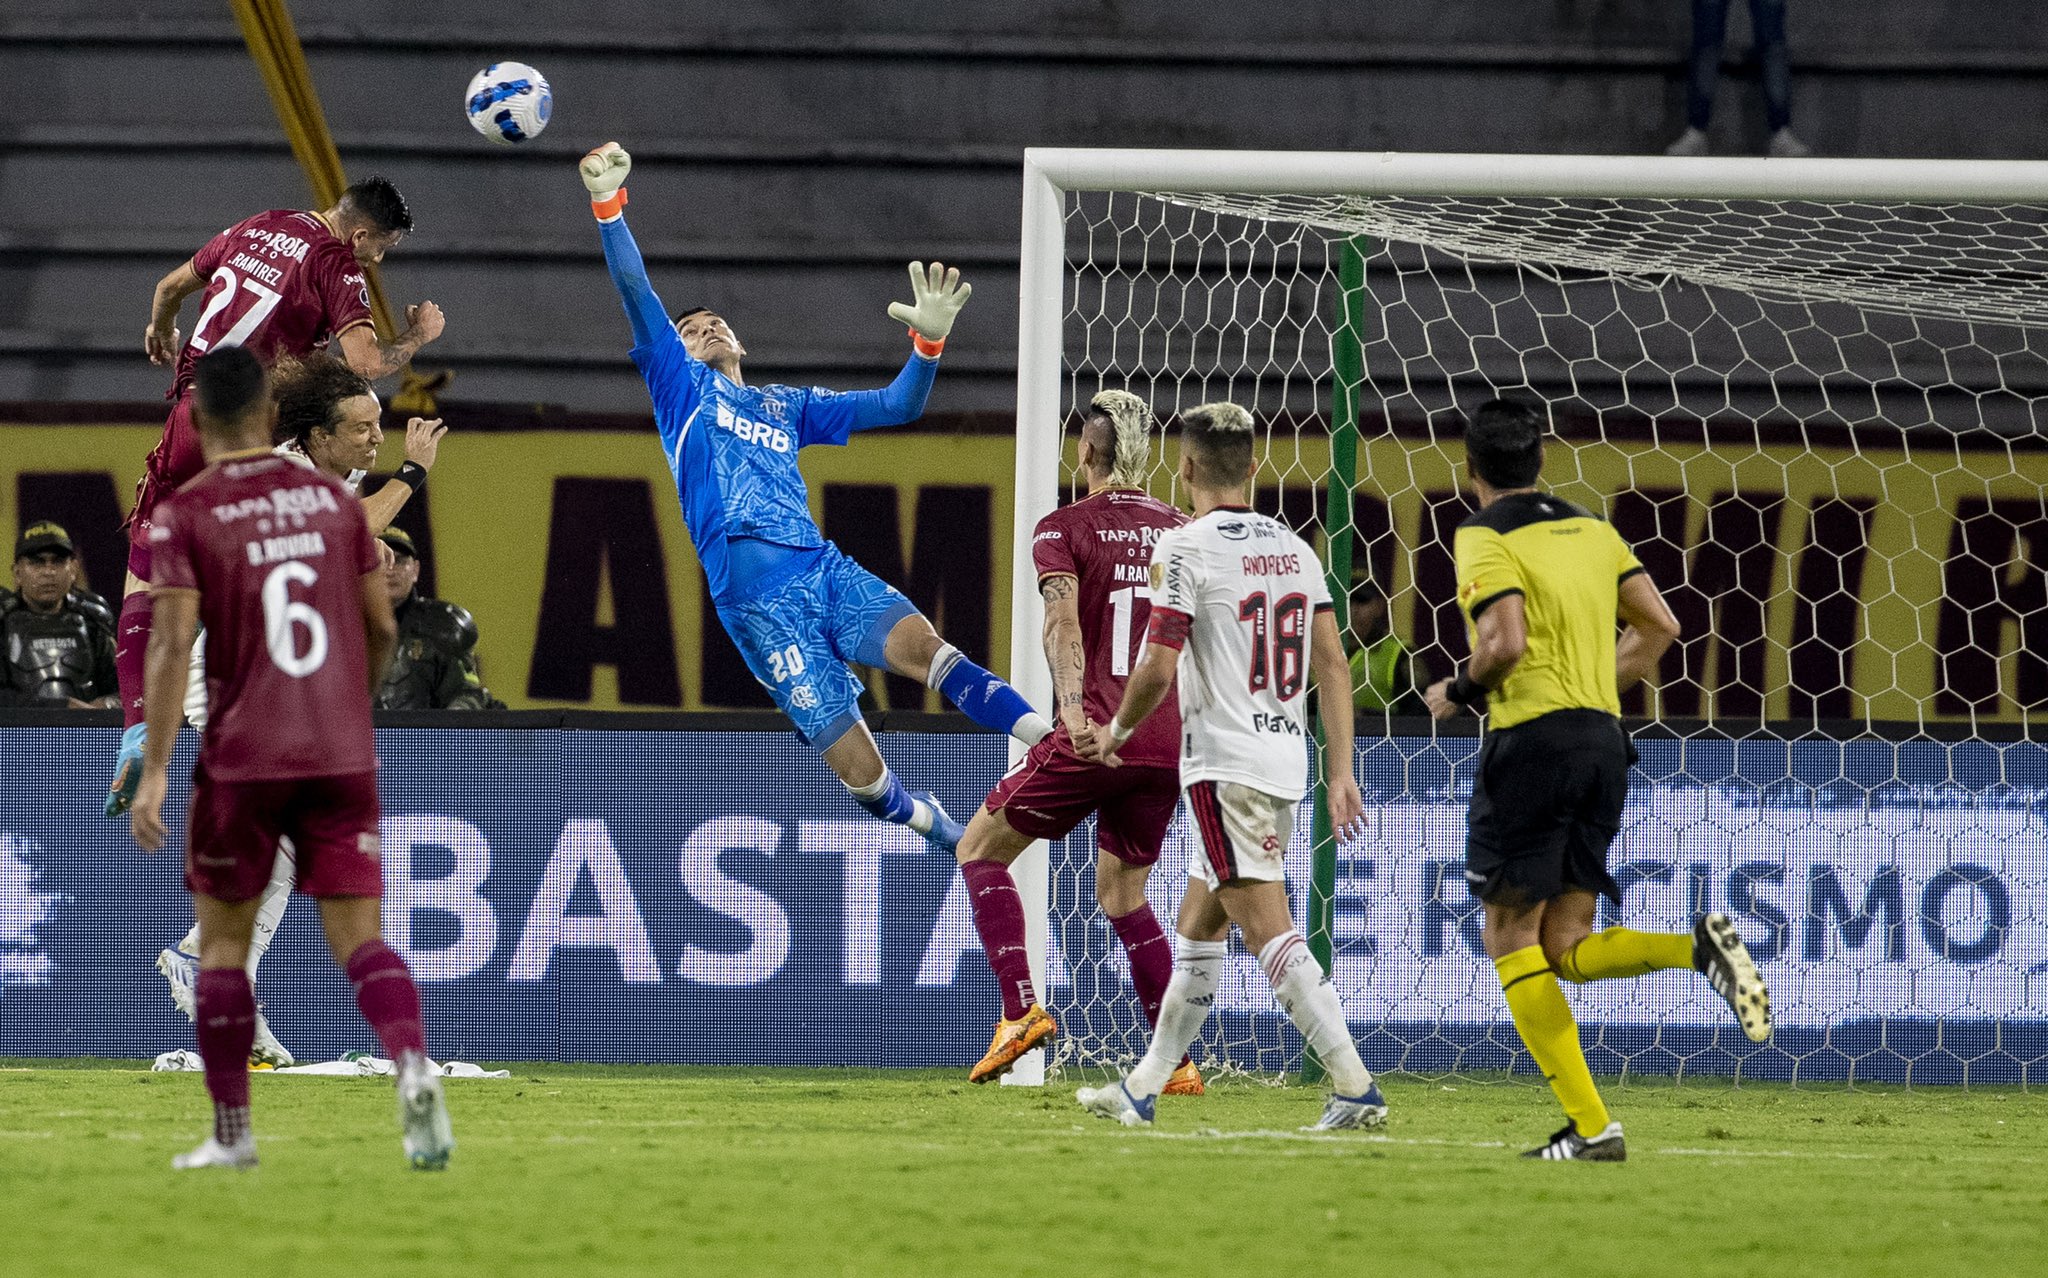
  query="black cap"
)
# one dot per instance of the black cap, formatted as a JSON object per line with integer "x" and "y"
{"x": 399, "y": 540}
{"x": 37, "y": 538}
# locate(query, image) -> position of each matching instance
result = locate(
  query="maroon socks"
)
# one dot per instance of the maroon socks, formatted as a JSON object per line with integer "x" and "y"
{"x": 999, "y": 918}
{"x": 1150, "y": 955}
{"x": 226, "y": 1026}
{"x": 131, "y": 649}
{"x": 387, "y": 998}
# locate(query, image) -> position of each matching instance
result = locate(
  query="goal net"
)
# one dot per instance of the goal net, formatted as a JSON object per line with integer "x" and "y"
{"x": 1809, "y": 394}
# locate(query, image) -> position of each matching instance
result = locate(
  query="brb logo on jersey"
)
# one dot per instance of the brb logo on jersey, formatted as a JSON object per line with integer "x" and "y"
{"x": 23, "y": 909}
{"x": 752, "y": 431}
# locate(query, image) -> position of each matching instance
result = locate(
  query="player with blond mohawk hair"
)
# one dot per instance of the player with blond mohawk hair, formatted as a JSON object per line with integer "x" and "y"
{"x": 1092, "y": 559}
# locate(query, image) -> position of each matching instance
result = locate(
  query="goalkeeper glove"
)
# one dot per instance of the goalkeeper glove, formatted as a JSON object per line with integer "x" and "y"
{"x": 937, "y": 294}
{"x": 604, "y": 174}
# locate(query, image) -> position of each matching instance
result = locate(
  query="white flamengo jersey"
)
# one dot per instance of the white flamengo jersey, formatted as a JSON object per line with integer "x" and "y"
{"x": 1236, "y": 591}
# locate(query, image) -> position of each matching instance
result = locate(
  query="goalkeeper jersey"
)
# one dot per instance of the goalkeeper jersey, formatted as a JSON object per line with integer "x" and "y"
{"x": 732, "y": 450}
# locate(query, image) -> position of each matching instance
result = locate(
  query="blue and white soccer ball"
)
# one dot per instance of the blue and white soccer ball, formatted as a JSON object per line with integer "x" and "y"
{"x": 509, "y": 102}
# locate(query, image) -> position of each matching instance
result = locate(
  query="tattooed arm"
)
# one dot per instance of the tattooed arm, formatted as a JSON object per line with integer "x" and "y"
{"x": 1063, "y": 650}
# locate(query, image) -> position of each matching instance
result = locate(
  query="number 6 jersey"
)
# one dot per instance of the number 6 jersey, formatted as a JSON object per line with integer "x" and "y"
{"x": 277, "y": 554}
{"x": 1236, "y": 590}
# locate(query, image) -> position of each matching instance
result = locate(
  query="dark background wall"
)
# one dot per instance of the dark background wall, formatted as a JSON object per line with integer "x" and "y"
{"x": 791, "y": 156}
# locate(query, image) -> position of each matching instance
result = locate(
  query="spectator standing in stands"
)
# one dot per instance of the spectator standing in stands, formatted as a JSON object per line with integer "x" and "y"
{"x": 1383, "y": 678}
{"x": 56, "y": 639}
{"x": 1709, "y": 36}
{"x": 435, "y": 665}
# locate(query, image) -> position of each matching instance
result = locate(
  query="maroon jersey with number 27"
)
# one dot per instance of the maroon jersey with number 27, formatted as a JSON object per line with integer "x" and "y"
{"x": 279, "y": 283}
{"x": 1106, "y": 542}
{"x": 277, "y": 553}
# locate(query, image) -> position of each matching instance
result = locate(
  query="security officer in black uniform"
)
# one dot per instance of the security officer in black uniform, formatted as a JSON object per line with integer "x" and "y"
{"x": 58, "y": 640}
{"x": 435, "y": 665}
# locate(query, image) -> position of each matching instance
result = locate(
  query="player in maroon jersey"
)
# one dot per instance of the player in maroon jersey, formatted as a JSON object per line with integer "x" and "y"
{"x": 1092, "y": 558}
{"x": 282, "y": 283}
{"x": 277, "y": 561}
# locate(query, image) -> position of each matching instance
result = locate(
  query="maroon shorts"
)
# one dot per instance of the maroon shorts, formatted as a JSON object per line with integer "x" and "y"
{"x": 175, "y": 460}
{"x": 1051, "y": 790}
{"x": 231, "y": 842}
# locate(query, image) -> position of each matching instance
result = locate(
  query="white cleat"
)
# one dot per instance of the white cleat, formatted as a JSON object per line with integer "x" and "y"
{"x": 1691, "y": 142}
{"x": 181, "y": 972}
{"x": 1351, "y": 1113}
{"x": 423, "y": 1115}
{"x": 211, "y": 1153}
{"x": 266, "y": 1050}
{"x": 1116, "y": 1103}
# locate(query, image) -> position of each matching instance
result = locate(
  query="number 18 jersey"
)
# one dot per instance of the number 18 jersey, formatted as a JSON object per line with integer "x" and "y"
{"x": 1236, "y": 591}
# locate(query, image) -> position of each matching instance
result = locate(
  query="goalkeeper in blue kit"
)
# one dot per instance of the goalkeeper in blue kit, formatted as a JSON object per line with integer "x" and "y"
{"x": 797, "y": 608}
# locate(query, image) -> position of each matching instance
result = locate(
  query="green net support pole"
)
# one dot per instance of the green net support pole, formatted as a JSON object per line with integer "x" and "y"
{"x": 1347, "y": 363}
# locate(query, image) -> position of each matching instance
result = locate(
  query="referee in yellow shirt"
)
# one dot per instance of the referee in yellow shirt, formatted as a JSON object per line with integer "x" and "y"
{"x": 1543, "y": 583}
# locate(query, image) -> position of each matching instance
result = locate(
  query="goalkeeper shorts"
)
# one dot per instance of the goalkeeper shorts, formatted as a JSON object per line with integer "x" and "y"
{"x": 799, "y": 636}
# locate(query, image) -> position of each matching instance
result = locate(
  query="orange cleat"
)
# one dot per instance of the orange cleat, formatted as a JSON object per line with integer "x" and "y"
{"x": 1186, "y": 1081}
{"x": 1012, "y": 1040}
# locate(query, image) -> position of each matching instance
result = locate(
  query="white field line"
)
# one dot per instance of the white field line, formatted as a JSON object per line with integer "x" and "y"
{"x": 1360, "y": 1139}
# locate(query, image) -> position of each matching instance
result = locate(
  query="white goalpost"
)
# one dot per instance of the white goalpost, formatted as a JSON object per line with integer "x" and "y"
{"x": 1814, "y": 395}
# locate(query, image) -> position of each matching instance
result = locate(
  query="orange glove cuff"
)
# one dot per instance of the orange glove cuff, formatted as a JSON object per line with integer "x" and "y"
{"x": 925, "y": 346}
{"x": 609, "y": 207}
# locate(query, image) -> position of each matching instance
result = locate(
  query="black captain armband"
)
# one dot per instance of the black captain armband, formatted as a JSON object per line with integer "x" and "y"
{"x": 1467, "y": 691}
{"x": 412, "y": 475}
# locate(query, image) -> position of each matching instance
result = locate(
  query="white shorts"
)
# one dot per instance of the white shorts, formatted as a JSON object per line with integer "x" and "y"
{"x": 1240, "y": 833}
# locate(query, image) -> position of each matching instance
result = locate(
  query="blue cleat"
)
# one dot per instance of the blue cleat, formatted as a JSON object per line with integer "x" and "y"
{"x": 1348, "y": 1113}
{"x": 946, "y": 833}
{"x": 127, "y": 770}
{"x": 1116, "y": 1103}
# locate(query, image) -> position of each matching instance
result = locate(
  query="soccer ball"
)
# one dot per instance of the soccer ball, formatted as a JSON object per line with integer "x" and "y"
{"x": 509, "y": 102}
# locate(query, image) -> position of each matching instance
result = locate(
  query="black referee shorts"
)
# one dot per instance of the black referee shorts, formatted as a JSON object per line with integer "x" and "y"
{"x": 1545, "y": 807}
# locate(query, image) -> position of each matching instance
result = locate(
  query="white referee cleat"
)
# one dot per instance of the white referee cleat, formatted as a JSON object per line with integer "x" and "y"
{"x": 266, "y": 1050}
{"x": 423, "y": 1114}
{"x": 181, "y": 972}
{"x": 211, "y": 1153}
{"x": 1116, "y": 1103}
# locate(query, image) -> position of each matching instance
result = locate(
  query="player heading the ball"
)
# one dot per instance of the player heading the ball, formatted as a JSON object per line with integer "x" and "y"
{"x": 798, "y": 610}
{"x": 283, "y": 283}
{"x": 1245, "y": 601}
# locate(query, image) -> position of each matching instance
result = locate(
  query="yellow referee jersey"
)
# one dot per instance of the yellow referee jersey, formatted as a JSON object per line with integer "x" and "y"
{"x": 1568, "y": 567}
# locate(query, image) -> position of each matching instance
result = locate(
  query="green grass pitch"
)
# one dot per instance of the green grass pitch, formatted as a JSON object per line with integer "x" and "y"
{"x": 611, "y": 1170}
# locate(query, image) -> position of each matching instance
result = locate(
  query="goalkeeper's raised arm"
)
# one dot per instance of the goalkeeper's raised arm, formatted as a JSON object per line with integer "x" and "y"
{"x": 937, "y": 294}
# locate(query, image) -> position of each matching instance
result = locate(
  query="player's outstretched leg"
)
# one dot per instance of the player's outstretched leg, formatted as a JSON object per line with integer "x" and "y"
{"x": 1720, "y": 955}
{"x": 984, "y": 697}
{"x": 226, "y": 1026}
{"x": 852, "y": 756}
{"x": 1714, "y": 949}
